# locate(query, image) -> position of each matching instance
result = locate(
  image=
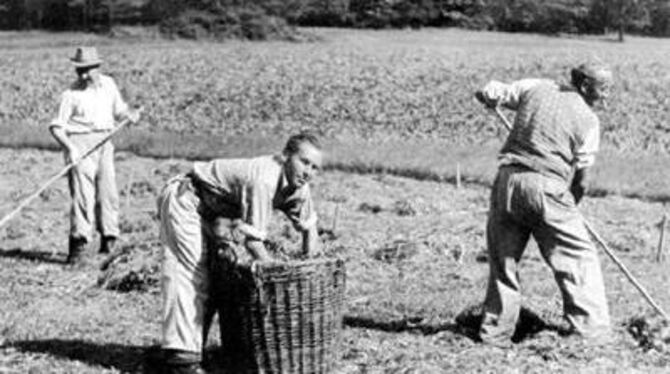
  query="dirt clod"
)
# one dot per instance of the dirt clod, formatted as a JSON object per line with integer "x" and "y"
{"x": 133, "y": 268}
{"x": 404, "y": 208}
{"x": 396, "y": 251}
{"x": 370, "y": 208}
{"x": 651, "y": 333}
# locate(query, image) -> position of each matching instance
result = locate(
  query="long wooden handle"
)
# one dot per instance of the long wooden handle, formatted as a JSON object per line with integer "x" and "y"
{"x": 628, "y": 274}
{"x": 61, "y": 173}
{"x": 502, "y": 118}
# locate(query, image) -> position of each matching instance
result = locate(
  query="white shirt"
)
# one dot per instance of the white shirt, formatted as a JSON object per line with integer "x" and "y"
{"x": 90, "y": 109}
{"x": 251, "y": 188}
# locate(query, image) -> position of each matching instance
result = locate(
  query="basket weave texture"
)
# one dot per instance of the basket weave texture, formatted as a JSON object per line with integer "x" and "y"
{"x": 281, "y": 317}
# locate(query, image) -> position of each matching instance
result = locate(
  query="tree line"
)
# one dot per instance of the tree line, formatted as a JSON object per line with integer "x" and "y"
{"x": 194, "y": 18}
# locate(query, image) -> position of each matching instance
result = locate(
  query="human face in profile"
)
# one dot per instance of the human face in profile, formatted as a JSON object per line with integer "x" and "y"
{"x": 303, "y": 165}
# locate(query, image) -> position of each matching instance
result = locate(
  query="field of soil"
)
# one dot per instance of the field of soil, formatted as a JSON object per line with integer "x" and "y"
{"x": 415, "y": 256}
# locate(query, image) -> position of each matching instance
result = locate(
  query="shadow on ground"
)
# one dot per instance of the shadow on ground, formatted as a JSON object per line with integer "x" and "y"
{"x": 466, "y": 323}
{"x": 408, "y": 324}
{"x": 38, "y": 256}
{"x": 125, "y": 358}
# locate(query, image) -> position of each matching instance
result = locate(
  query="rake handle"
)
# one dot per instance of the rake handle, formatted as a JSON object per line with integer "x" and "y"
{"x": 502, "y": 118}
{"x": 60, "y": 174}
{"x": 626, "y": 272}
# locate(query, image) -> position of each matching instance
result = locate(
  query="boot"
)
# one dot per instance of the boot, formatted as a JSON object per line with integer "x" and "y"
{"x": 108, "y": 244}
{"x": 76, "y": 251}
{"x": 184, "y": 369}
{"x": 170, "y": 361}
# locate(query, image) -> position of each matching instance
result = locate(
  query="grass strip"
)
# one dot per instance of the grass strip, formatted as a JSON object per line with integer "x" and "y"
{"x": 643, "y": 176}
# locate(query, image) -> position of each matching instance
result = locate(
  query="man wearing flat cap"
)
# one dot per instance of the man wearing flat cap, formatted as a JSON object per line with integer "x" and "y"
{"x": 86, "y": 115}
{"x": 543, "y": 168}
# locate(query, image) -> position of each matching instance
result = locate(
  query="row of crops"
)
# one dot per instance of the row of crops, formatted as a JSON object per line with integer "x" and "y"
{"x": 375, "y": 85}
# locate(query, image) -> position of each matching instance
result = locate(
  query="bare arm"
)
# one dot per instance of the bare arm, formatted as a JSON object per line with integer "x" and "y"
{"x": 60, "y": 125}
{"x": 497, "y": 93}
{"x": 60, "y": 134}
{"x": 257, "y": 250}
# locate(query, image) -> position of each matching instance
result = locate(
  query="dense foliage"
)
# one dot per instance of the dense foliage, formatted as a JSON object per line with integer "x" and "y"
{"x": 269, "y": 18}
{"x": 544, "y": 16}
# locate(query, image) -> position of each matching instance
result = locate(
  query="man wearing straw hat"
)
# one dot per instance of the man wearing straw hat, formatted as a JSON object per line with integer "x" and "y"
{"x": 541, "y": 178}
{"x": 203, "y": 206}
{"x": 86, "y": 115}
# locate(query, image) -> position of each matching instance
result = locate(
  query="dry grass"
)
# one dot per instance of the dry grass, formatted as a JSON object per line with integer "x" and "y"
{"x": 408, "y": 278}
{"x": 390, "y": 102}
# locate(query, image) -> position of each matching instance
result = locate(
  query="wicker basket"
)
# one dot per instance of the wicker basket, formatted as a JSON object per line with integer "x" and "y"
{"x": 282, "y": 317}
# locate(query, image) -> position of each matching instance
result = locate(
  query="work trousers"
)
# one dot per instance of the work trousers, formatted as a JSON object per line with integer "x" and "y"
{"x": 187, "y": 240}
{"x": 95, "y": 197}
{"x": 525, "y": 203}
{"x": 185, "y": 281}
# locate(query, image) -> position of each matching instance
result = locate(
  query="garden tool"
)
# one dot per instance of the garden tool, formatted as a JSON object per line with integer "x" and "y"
{"x": 64, "y": 171}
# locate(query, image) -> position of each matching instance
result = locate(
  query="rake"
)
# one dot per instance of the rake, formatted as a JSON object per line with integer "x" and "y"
{"x": 61, "y": 173}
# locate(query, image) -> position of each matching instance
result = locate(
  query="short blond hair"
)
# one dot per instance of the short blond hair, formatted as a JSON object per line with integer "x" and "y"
{"x": 293, "y": 143}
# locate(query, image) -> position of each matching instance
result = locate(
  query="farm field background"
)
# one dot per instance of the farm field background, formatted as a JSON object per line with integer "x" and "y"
{"x": 387, "y": 102}
{"x": 399, "y": 101}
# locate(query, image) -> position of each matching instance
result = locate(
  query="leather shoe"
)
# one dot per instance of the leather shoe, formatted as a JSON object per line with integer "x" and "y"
{"x": 108, "y": 244}
{"x": 76, "y": 251}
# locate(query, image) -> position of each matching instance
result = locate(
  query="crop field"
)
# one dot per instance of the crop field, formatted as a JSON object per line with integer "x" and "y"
{"x": 396, "y": 111}
{"x": 399, "y": 96}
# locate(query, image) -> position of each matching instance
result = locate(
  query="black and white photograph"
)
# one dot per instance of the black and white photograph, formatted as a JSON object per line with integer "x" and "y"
{"x": 334, "y": 186}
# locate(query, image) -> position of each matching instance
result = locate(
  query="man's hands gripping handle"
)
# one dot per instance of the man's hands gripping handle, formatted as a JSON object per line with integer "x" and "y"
{"x": 133, "y": 115}
{"x": 488, "y": 102}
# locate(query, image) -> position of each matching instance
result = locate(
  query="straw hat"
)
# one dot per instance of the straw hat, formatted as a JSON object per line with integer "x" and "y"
{"x": 86, "y": 57}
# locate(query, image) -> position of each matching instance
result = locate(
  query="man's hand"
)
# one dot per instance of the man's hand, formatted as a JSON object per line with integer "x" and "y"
{"x": 311, "y": 242}
{"x": 72, "y": 154}
{"x": 222, "y": 229}
{"x": 479, "y": 95}
{"x": 579, "y": 184}
{"x": 134, "y": 115}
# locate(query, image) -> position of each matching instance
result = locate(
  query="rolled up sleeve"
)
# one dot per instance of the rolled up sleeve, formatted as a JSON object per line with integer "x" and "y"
{"x": 120, "y": 107}
{"x": 585, "y": 152}
{"x": 65, "y": 110}
{"x": 509, "y": 95}
{"x": 257, "y": 208}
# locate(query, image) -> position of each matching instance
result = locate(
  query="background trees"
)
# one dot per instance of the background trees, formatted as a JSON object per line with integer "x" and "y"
{"x": 254, "y": 19}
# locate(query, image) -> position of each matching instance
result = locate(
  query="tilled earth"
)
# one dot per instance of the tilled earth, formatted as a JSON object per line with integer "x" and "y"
{"x": 416, "y": 261}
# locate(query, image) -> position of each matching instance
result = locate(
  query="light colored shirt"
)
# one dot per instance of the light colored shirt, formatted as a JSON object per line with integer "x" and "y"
{"x": 251, "y": 188}
{"x": 93, "y": 108}
{"x": 554, "y": 129}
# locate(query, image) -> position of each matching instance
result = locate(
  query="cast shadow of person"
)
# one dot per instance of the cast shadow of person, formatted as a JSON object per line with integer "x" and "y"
{"x": 124, "y": 358}
{"x": 47, "y": 257}
{"x": 466, "y": 324}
